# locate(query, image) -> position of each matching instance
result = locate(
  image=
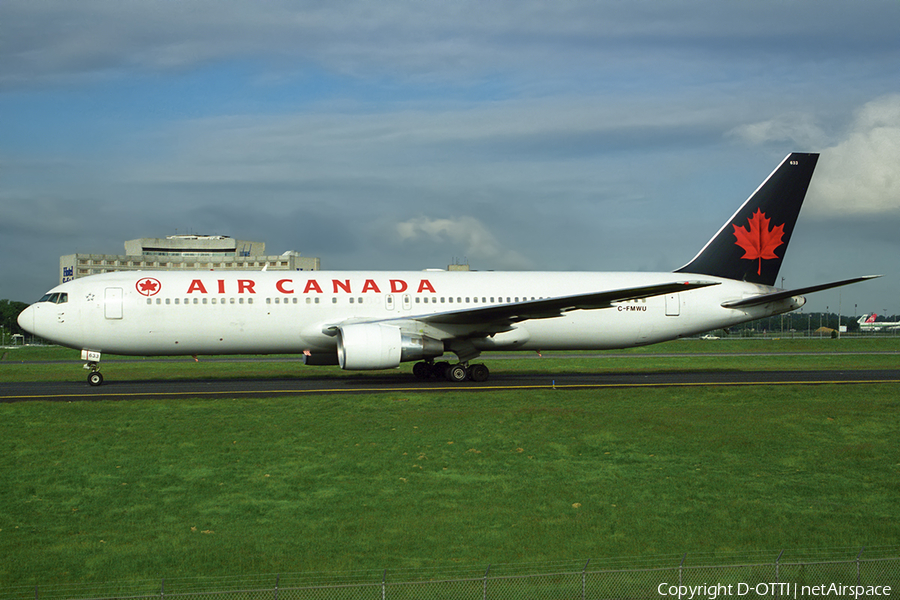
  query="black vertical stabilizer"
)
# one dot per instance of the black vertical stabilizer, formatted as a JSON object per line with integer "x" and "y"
{"x": 751, "y": 245}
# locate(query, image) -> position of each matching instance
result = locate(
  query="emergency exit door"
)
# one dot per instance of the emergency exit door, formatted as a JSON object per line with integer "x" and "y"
{"x": 673, "y": 305}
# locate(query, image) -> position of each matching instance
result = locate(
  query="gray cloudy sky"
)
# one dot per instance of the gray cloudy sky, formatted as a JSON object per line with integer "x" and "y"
{"x": 593, "y": 135}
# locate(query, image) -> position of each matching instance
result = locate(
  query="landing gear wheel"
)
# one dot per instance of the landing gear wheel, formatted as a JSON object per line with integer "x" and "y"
{"x": 95, "y": 378}
{"x": 457, "y": 373}
{"x": 439, "y": 369}
{"x": 422, "y": 370}
{"x": 479, "y": 373}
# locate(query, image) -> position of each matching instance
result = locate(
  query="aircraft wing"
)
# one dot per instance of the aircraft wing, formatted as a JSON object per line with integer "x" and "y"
{"x": 555, "y": 307}
{"x": 493, "y": 319}
{"x": 772, "y": 297}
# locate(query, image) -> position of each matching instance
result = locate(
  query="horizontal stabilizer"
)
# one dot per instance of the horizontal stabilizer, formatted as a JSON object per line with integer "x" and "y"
{"x": 775, "y": 296}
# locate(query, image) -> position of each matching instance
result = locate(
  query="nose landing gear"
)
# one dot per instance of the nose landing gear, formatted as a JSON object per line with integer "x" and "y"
{"x": 94, "y": 378}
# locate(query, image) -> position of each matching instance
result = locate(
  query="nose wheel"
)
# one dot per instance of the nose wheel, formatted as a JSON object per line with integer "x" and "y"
{"x": 95, "y": 378}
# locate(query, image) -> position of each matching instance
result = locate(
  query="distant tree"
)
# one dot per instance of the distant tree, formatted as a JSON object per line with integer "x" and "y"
{"x": 9, "y": 311}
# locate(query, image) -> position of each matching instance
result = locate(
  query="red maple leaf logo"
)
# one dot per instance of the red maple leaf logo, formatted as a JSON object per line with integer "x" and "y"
{"x": 148, "y": 286}
{"x": 759, "y": 242}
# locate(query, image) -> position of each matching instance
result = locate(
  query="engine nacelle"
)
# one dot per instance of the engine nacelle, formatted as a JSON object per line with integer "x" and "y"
{"x": 369, "y": 346}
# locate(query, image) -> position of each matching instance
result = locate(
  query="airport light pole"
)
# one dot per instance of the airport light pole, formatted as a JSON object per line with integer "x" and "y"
{"x": 782, "y": 314}
{"x": 839, "y": 315}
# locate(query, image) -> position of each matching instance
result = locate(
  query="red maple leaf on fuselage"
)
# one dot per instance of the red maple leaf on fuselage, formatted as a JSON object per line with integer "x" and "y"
{"x": 758, "y": 241}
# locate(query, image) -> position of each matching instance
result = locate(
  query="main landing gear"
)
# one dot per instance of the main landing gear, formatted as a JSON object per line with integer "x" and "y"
{"x": 450, "y": 372}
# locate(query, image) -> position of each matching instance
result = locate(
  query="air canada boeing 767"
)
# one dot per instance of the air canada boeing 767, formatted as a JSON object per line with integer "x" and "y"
{"x": 377, "y": 319}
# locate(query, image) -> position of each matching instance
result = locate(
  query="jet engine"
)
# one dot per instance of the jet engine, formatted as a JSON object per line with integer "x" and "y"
{"x": 366, "y": 346}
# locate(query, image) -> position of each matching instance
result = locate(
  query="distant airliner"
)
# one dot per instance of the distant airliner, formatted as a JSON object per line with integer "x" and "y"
{"x": 868, "y": 323}
{"x": 378, "y": 319}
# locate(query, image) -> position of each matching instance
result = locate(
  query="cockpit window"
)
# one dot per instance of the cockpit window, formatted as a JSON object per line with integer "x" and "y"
{"x": 55, "y": 298}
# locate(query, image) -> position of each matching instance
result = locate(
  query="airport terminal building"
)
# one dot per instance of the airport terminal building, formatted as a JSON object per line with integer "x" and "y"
{"x": 184, "y": 252}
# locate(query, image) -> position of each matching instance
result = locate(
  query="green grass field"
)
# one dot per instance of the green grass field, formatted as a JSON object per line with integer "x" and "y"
{"x": 115, "y": 491}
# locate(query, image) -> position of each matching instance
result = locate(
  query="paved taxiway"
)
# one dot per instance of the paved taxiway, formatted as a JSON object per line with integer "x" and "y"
{"x": 405, "y": 383}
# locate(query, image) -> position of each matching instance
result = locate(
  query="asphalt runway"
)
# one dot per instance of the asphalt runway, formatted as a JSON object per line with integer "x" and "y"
{"x": 406, "y": 383}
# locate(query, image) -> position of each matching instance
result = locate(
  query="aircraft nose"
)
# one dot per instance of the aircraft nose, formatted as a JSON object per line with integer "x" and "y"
{"x": 26, "y": 319}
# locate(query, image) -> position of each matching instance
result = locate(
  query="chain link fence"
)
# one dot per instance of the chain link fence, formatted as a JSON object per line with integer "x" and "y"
{"x": 844, "y": 573}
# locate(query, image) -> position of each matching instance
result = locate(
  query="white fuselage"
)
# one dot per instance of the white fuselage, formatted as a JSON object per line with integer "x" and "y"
{"x": 227, "y": 312}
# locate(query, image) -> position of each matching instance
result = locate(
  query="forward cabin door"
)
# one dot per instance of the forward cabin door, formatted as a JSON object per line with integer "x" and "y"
{"x": 113, "y": 303}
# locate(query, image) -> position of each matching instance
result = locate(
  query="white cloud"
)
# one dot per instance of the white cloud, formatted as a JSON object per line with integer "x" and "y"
{"x": 860, "y": 175}
{"x": 799, "y": 129}
{"x": 859, "y": 170}
{"x": 463, "y": 234}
